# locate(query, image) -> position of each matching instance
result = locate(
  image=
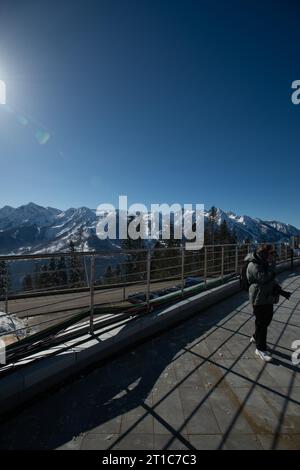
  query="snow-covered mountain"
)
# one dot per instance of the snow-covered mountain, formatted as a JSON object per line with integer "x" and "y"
{"x": 35, "y": 229}
{"x": 256, "y": 229}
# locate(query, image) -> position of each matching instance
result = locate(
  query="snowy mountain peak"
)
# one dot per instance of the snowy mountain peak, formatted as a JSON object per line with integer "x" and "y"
{"x": 31, "y": 228}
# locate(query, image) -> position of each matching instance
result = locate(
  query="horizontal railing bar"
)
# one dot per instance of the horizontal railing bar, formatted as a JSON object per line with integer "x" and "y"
{"x": 121, "y": 252}
{"x": 110, "y": 253}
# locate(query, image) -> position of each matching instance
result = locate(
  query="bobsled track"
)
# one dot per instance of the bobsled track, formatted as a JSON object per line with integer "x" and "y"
{"x": 204, "y": 361}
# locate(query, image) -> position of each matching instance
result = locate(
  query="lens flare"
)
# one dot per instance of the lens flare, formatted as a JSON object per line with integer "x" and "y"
{"x": 22, "y": 120}
{"x": 42, "y": 136}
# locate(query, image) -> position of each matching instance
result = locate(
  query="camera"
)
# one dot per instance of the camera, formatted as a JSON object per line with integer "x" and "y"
{"x": 277, "y": 290}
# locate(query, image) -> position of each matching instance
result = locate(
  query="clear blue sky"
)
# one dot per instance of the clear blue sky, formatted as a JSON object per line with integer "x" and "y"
{"x": 165, "y": 101}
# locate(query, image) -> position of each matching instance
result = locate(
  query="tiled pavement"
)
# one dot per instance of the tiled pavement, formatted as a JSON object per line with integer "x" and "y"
{"x": 197, "y": 386}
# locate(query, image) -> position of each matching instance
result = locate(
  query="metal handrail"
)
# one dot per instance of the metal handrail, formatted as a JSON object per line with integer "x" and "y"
{"x": 213, "y": 260}
{"x": 106, "y": 252}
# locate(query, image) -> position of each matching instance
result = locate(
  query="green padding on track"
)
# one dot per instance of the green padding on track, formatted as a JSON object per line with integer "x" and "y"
{"x": 31, "y": 340}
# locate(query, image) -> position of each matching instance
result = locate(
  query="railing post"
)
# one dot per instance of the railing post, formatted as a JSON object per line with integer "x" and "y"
{"x": 236, "y": 259}
{"x": 182, "y": 269}
{"x": 279, "y": 252}
{"x": 222, "y": 264}
{"x": 286, "y": 252}
{"x": 205, "y": 267}
{"x": 148, "y": 279}
{"x": 92, "y": 285}
{"x": 86, "y": 272}
{"x": 6, "y": 288}
{"x": 6, "y": 298}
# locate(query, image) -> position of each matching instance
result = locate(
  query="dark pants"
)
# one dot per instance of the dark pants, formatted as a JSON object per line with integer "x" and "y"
{"x": 263, "y": 317}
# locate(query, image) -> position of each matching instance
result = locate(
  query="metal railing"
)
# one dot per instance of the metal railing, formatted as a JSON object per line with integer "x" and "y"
{"x": 44, "y": 289}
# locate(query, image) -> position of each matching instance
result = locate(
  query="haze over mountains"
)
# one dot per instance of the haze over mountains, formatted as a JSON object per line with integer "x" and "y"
{"x": 35, "y": 229}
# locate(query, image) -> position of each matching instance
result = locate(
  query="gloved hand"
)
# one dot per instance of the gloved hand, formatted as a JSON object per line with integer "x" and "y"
{"x": 277, "y": 290}
{"x": 285, "y": 294}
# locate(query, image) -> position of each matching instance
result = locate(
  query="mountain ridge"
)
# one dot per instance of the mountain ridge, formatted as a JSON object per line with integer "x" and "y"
{"x": 31, "y": 228}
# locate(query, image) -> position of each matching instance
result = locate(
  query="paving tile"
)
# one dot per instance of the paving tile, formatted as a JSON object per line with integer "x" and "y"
{"x": 107, "y": 426}
{"x": 217, "y": 340}
{"x": 222, "y": 351}
{"x": 242, "y": 442}
{"x": 197, "y": 410}
{"x": 205, "y": 441}
{"x": 282, "y": 442}
{"x": 292, "y": 392}
{"x": 211, "y": 375}
{"x": 138, "y": 420}
{"x": 287, "y": 411}
{"x": 63, "y": 442}
{"x": 239, "y": 346}
{"x": 259, "y": 413}
{"x": 199, "y": 386}
{"x": 233, "y": 373}
{"x": 98, "y": 441}
{"x": 167, "y": 408}
{"x": 135, "y": 442}
{"x": 170, "y": 442}
{"x": 200, "y": 349}
{"x": 257, "y": 371}
{"x": 227, "y": 407}
{"x": 186, "y": 370}
{"x": 283, "y": 373}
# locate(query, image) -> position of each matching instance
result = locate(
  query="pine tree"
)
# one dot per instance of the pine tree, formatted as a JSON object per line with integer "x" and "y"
{"x": 157, "y": 263}
{"x": 233, "y": 237}
{"x": 4, "y": 278}
{"x": 212, "y": 218}
{"x": 27, "y": 283}
{"x": 53, "y": 275}
{"x": 173, "y": 265}
{"x": 36, "y": 275}
{"x": 79, "y": 240}
{"x": 62, "y": 272}
{"x": 166, "y": 262}
{"x": 118, "y": 271}
{"x": 135, "y": 265}
{"x": 224, "y": 233}
{"x": 44, "y": 277}
{"x": 76, "y": 275}
{"x": 207, "y": 235}
{"x": 108, "y": 276}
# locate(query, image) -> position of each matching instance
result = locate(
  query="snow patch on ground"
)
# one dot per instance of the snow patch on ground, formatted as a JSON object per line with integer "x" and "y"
{"x": 10, "y": 323}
